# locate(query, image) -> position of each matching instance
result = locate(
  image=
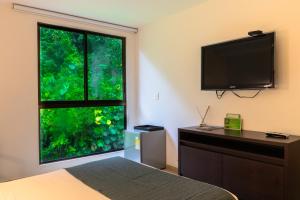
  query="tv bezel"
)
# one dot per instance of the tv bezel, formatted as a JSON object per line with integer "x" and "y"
{"x": 243, "y": 87}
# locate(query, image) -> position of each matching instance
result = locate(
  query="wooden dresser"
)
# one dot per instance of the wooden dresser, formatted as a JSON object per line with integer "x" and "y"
{"x": 246, "y": 163}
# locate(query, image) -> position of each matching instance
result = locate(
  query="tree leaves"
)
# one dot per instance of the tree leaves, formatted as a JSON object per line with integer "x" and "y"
{"x": 73, "y": 132}
{"x": 105, "y": 68}
{"x": 61, "y": 65}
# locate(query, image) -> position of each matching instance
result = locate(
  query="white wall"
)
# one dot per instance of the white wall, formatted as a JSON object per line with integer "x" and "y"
{"x": 169, "y": 63}
{"x": 19, "y": 155}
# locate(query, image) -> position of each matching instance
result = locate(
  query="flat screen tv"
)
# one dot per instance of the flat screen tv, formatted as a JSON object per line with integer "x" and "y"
{"x": 246, "y": 63}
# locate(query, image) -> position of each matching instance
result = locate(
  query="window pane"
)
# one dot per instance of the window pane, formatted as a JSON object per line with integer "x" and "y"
{"x": 74, "y": 132}
{"x": 61, "y": 65}
{"x": 105, "y": 68}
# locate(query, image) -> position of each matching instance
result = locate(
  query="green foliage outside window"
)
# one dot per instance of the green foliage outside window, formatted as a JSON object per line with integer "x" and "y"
{"x": 105, "y": 68}
{"x": 61, "y": 65}
{"x": 73, "y": 132}
{"x": 76, "y": 130}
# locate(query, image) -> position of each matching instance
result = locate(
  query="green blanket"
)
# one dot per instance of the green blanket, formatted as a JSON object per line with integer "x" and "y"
{"x": 122, "y": 179}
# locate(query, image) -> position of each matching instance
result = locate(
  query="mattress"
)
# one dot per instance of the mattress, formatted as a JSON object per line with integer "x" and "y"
{"x": 58, "y": 185}
{"x": 114, "y": 178}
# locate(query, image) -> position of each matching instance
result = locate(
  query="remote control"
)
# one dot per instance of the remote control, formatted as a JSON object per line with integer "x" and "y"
{"x": 277, "y": 135}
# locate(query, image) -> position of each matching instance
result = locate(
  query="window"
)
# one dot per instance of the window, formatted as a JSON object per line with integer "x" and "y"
{"x": 82, "y": 97}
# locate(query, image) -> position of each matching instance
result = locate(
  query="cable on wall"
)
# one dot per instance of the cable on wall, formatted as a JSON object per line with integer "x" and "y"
{"x": 246, "y": 97}
{"x": 220, "y": 93}
{"x": 51, "y": 13}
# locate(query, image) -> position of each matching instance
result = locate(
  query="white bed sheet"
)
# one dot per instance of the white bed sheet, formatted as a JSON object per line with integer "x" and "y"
{"x": 57, "y": 185}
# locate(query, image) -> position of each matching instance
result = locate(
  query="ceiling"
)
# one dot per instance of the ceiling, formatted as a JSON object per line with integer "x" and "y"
{"x": 134, "y": 13}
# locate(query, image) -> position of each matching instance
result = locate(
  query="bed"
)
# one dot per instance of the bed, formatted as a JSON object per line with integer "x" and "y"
{"x": 114, "y": 178}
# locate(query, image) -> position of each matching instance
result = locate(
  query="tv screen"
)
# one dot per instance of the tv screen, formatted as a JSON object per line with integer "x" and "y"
{"x": 246, "y": 63}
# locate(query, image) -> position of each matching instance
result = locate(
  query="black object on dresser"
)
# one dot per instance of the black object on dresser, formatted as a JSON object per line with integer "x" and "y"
{"x": 247, "y": 163}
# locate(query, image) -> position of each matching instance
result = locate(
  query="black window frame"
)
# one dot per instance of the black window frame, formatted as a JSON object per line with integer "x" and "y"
{"x": 86, "y": 102}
